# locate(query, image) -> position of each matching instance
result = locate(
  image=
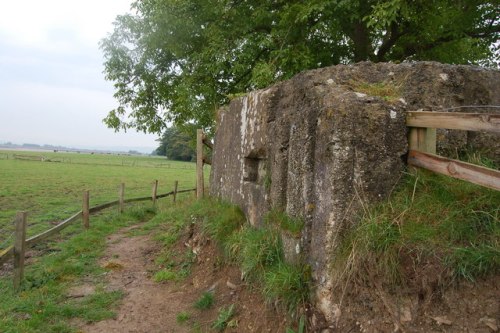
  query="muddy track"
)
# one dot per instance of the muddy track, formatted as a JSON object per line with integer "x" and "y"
{"x": 150, "y": 307}
{"x": 147, "y": 306}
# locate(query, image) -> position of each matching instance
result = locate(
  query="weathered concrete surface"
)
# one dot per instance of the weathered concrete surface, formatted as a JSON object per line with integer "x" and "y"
{"x": 318, "y": 148}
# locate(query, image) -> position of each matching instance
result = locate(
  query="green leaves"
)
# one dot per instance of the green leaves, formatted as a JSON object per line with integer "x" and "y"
{"x": 263, "y": 75}
{"x": 384, "y": 13}
{"x": 178, "y": 61}
{"x": 176, "y": 145}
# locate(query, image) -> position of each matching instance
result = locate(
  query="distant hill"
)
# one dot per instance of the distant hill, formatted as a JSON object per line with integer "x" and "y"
{"x": 47, "y": 147}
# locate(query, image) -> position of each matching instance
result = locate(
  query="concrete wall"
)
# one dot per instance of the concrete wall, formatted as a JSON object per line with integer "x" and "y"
{"x": 321, "y": 145}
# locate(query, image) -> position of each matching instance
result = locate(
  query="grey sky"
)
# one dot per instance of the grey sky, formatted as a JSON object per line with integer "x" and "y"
{"x": 52, "y": 90}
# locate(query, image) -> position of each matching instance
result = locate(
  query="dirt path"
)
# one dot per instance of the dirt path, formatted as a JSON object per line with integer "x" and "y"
{"x": 147, "y": 306}
{"x": 150, "y": 307}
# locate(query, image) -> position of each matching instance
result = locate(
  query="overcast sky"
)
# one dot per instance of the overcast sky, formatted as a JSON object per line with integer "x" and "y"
{"x": 52, "y": 90}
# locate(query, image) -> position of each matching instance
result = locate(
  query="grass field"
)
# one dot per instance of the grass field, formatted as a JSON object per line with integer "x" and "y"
{"x": 51, "y": 190}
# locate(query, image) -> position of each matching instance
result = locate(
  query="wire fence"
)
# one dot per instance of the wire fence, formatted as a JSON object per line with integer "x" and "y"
{"x": 8, "y": 251}
{"x": 4, "y": 243}
{"x": 88, "y": 159}
{"x": 6, "y": 231}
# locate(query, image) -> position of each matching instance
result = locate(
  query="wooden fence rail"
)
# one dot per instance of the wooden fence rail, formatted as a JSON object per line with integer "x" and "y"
{"x": 422, "y": 144}
{"x": 454, "y": 120}
{"x": 28, "y": 157}
{"x": 9, "y": 252}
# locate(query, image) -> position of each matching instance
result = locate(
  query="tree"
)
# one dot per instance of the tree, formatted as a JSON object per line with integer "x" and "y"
{"x": 180, "y": 60}
{"x": 176, "y": 145}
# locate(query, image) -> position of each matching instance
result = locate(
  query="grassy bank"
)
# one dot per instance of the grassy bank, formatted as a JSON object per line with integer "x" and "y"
{"x": 258, "y": 252}
{"x": 432, "y": 227}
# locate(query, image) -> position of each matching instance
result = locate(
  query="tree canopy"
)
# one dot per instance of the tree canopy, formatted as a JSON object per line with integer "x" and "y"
{"x": 178, "y": 61}
{"x": 176, "y": 145}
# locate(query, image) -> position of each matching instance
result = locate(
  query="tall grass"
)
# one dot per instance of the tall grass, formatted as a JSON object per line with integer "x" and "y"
{"x": 278, "y": 218}
{"x": 429, "y": 218}
{"x": 257, "y": 251}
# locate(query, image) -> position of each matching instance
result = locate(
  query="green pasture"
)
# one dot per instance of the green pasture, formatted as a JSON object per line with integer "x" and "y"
{"x": 51, "y": 190}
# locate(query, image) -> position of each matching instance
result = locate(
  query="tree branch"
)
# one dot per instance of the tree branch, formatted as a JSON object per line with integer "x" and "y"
{"x": 388, "y": 43}
{"x": 249, "y": 70}
{"x": 484, "y": 32}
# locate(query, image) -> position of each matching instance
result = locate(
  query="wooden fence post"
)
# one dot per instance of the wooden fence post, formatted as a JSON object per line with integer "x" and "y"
{"x": 19, "y": 249}
{"x": 199, "y": 164}
{"x": 175, "y": 189}
{"x": 122, "y": 197}
{"x": 422, "y": 139}
{"x": 85, "y": 209}
{"x": 155, "y": 191}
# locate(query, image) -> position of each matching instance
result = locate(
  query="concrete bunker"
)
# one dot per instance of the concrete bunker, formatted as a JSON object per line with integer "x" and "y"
{"x": 328, "y": 141}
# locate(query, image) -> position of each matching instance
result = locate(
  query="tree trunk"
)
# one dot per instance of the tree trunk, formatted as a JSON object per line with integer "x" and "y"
{"x": 362, "y": 44}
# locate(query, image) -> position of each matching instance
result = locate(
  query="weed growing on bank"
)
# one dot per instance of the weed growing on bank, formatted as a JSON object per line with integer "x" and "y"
{"x": 205, "y": 301}
{"x": 224, "y": 318}
{"x": 183, "y": 317}
{"x": 166, "y": 274}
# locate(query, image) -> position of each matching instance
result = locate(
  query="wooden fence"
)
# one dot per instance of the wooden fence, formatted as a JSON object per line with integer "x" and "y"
{"x": 422, "y": 144}
{"x": 17, "y": 250}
